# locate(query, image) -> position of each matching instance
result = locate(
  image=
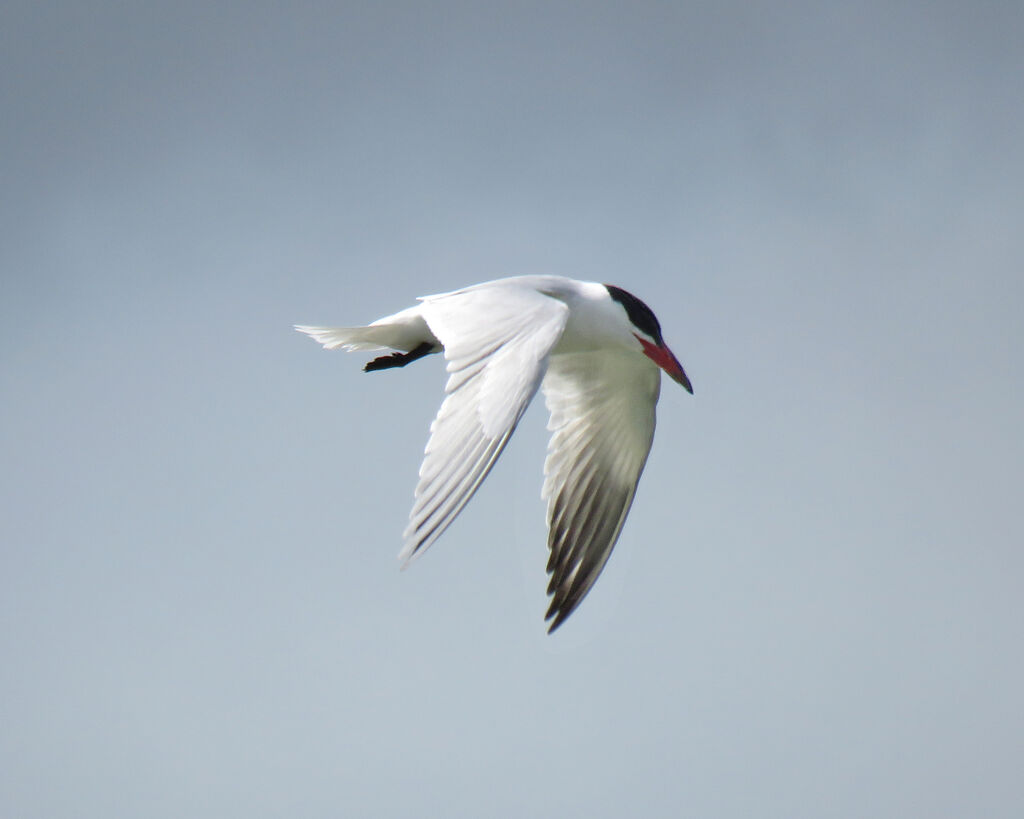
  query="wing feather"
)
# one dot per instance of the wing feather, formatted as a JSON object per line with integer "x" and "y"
{"x": 602, "y": 408}
{"x": 496, "y": 341}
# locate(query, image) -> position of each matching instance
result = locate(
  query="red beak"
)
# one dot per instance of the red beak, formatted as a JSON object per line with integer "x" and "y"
{"x": 663, "y": 357}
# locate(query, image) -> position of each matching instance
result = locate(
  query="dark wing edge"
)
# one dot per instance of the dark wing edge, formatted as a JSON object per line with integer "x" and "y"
{"x": 602, "y": 424}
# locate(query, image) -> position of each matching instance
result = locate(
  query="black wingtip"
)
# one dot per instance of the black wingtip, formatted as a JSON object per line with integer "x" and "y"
{"x": 560, "y": 614}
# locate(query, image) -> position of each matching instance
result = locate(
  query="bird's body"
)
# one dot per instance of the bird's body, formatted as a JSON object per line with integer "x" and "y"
{"x": 595, "y": 351}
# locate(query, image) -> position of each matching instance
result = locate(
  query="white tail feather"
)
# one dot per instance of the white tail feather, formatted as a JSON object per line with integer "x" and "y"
{"x": 348, "y": 338}
{"x": 403, "y": 331}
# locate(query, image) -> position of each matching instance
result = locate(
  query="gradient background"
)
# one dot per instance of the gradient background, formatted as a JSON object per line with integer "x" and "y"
{"x": 815, "y": 609}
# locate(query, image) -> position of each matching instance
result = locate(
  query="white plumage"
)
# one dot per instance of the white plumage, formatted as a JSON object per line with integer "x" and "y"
{"x": 593, "y": 348}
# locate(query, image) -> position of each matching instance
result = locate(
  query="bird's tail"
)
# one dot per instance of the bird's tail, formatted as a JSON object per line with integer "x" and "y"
{"x": 351, "y": 338}
{"x": 405, "y": 331}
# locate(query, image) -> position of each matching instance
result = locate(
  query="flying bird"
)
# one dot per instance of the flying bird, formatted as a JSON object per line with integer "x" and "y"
{"x": 594, "y": 349}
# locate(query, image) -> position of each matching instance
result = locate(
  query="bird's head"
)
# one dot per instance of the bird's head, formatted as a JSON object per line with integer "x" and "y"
{"x": 645, "y": 328}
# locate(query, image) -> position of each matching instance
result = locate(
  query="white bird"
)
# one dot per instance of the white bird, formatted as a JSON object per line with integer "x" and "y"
{"x": 593, "y": 348}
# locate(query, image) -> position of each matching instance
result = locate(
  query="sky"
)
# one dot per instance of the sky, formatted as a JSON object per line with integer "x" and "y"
{"x": 815, "y": 607}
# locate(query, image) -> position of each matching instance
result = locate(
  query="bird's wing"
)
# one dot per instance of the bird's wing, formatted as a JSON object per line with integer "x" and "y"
{"x": 602, "y": 424}
{"x": 496, "y": 341}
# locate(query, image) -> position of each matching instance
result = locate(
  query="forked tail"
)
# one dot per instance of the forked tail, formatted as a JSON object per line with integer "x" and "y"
{"x": 350, "y": 338}
{"x": 405, "y": 332}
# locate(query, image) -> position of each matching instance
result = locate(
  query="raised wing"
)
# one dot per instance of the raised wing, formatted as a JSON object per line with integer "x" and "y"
{"x": 496, "y": 340}
{"x": 602, "y": 424}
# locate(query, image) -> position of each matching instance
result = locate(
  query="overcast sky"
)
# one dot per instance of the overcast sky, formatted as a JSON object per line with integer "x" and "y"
{"x": 815, "y": 608}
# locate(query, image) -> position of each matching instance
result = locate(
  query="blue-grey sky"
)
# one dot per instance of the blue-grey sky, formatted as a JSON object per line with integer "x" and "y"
{"x": 815, "y": 607}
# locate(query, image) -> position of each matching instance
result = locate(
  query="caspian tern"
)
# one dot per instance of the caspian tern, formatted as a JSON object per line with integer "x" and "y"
{"x": 593, "y": 348}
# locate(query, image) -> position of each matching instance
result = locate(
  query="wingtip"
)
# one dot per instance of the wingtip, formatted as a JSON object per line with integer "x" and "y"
{"x": 561, "y": 618}
{"x": 559, "y": 614}
{"x": 406, "y": 556}
{"x": 412, "y": 549}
